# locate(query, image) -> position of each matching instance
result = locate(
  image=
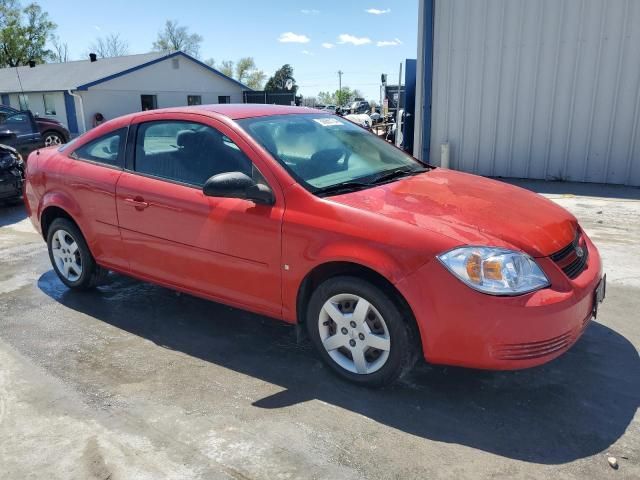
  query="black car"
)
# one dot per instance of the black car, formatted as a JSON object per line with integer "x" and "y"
{"x": 11, "y": 173}
{"x": 52, "y": 131}
{"x": 20, "y": 131}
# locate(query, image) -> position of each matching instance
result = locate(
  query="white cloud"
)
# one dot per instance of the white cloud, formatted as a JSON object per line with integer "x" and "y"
{"x": 328, "y": 45}
{"x": 307, "y": 52}
{"x": 307, "y": 11}
{"x": 97, "y": 27}
{"x": 389, "y": 43}
{"x": 290, "y": 37}
{"x": 346, "y": 38}
{"x": 377, "y": 11}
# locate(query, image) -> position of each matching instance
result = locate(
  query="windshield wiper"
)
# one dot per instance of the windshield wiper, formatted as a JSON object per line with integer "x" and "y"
{"x": 396, "y": 173}
{"x": 344, "y": 187}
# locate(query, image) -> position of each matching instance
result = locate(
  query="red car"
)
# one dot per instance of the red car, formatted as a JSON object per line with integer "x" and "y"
{"x": 302, "y": 216}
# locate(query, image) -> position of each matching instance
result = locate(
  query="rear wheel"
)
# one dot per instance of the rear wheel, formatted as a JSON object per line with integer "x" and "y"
{"x": 360, "y": 332}
{"x": 70, "y": 256}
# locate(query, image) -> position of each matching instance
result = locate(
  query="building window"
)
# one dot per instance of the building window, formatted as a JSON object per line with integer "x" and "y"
{"x": 224, "y": 99}
{"x": 49, "y": 103}
{"x": 194, "y": 100}
{"x": 149, "y": 102}
{"x": 23, "y": 101}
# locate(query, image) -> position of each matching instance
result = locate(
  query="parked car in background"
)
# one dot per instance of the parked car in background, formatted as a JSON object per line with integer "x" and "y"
{"x": 330, "y": 108}
{"x": 360, "y": 106}
{"x": 381, "y": 258}
{"x": 20, "y": 131}
{"x": 11, "y": 173}
{"x": 52, "y": 131}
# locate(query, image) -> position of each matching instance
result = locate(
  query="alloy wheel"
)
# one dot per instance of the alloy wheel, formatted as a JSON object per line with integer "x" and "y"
{"x": 354, "y": 334}
{"x": 66, "y": 255}
{"x": 52, "y": 139}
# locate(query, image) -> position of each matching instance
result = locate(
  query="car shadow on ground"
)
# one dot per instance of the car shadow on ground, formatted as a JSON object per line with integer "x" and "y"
{"x": 11, "y": 212}
{"x": 574, "y": 407}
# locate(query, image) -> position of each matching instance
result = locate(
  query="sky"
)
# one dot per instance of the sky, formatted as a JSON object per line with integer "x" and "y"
{"x": 317, "y": 38}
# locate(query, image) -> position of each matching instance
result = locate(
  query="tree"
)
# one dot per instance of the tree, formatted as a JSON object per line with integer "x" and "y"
{"x": 175, "y": 37}
{"x": 327, "y": 98}
{"x": 60, "y": 53}
{"x": 244, "y": 70}
{"x": 110, "y": 46}
{"x": 255, "y": 80}
{"x": 226, "y": 67}
{"x": 339, "y": 97}
{"x": 279, "y": 79}
{"x": 23, "y": 33}
{"x": 244, "y": 67}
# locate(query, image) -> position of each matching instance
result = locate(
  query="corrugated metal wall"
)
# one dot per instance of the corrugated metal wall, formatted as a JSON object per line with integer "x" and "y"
{"x": 538, "y": 88}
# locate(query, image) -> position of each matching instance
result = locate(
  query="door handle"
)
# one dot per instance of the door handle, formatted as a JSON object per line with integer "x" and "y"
{"x": 137, "y": 202}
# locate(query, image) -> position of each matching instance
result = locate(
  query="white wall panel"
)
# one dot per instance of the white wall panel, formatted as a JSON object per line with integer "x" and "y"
{"x": 538, "y": 88}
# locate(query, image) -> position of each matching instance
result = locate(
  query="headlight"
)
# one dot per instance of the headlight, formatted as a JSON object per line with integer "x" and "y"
{"x": 496, "y": 271}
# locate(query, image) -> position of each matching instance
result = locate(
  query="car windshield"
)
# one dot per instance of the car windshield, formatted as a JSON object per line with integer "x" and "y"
{"x": 325, "y": 153}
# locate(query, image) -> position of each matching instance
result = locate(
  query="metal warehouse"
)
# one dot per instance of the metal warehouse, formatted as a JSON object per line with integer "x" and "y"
{"x": 546, "y": 89}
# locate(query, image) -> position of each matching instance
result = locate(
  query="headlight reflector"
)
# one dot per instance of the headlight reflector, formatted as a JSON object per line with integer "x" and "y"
{"x": 497, "y": 271}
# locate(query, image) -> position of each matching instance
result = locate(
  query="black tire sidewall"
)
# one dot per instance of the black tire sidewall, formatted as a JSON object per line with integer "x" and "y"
{"x": 88, "y": 263}
{"x": 401, "y": 352}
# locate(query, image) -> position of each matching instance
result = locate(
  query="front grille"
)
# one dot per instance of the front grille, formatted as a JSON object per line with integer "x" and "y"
{"x": 524, "y": 351}
{"x": 569, "y": 259}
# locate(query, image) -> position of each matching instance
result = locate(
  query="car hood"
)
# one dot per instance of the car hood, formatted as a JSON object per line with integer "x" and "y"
{"x": 470, "y": 209}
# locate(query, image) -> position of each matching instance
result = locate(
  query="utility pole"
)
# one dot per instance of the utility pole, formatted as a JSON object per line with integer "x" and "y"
{"x": 398, "y": 115}
{"x": 340, "y": 85}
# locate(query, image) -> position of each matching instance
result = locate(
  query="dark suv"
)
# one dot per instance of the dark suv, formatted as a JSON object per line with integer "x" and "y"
{"x": 52, "y": 131}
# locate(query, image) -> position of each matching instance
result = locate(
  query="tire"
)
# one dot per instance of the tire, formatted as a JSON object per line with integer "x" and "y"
{"x": 384, "y": 326}
{"x": 51, "y": 138}
{"x": 70, "y": 256}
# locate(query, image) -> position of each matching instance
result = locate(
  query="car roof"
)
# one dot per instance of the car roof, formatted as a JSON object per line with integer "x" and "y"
{"x": 236, "y": 111}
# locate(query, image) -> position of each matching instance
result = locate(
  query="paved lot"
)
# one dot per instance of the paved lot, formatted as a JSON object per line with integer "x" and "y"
{"x": 135, "y": 381}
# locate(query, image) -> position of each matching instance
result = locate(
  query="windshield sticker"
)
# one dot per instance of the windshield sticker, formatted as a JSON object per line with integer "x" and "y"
{"x": 328, "y": 122}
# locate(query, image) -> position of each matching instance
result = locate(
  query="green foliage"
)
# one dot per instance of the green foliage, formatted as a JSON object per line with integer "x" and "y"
{"x": 23, "y": 33}
{"x": 279, "y": 80}
{"x": 339, "y": 97}
{"x": 244, "y": 70}
{"x": 174, "y": 37}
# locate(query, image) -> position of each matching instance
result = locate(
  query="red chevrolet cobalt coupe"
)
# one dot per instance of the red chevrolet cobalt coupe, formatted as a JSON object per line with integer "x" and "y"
{"x": 303, "y": 216}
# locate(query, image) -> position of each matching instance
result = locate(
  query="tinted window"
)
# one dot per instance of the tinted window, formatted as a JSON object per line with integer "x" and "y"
{"x": 108, "y": 149}
{"x": 224, "y": 99}
{"x": 19, "y": 123}
{"x": 194, "y": 100}
{"x": 187, "y": 152}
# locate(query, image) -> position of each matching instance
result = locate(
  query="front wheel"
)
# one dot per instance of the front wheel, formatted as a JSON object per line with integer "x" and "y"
{"x": 71, "y": 257}
{"x": 53, "y": 138}
{"x": 360, "y": 332}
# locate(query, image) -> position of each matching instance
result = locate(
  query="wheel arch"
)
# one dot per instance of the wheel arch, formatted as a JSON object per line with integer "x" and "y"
{"x": 330, "y": 269}
{"x": 52, "y": 212}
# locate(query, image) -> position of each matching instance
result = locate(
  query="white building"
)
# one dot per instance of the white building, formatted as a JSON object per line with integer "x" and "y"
{"x": 544, "y": 89}
{"x": 73, "y": 92}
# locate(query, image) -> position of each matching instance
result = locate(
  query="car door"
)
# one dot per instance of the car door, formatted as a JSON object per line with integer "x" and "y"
{"x": 23, "y": 126}
{"x": 225, "y": 248}
{"x": 89, "y": 176}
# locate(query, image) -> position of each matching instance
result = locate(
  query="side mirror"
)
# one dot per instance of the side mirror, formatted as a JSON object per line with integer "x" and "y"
{"x": 238, "y": 185}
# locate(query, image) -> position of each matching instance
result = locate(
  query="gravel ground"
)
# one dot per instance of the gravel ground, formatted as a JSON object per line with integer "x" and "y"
{"x": 134, "y": 381}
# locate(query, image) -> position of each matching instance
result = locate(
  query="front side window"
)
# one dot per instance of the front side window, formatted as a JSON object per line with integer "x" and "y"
{"x": 108, "y": 149}
{"x": 187, "y": 152}
{"x": 23, "y": 101}
{"x": 325, "y": 151}
{"x": 49, "y": 104}
{"x": 194, "y": 100}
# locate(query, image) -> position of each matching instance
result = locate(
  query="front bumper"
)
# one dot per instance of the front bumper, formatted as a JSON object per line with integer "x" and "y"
{"x": 460, "y": 326}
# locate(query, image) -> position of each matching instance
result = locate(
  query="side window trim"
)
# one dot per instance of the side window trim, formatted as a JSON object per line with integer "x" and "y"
{"x": 122, "y": 149}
